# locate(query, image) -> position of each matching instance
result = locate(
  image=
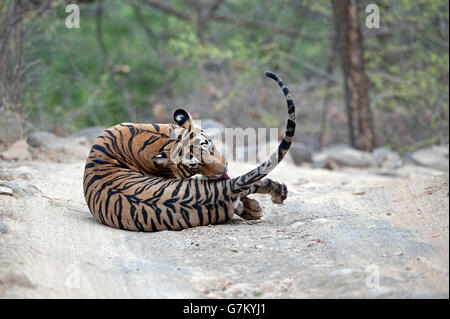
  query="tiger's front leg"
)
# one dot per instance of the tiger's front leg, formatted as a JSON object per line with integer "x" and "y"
{"x": 250, "y": 208}
{"x": 277, "y": 191}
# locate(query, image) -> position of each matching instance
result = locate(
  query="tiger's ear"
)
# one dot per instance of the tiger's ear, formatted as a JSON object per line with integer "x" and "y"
{"x": 183, "y": 119}
{"x": 161, "y": 159}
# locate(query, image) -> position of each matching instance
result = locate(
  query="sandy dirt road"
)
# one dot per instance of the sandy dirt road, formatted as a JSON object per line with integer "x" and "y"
{"x": 346, "y": 234}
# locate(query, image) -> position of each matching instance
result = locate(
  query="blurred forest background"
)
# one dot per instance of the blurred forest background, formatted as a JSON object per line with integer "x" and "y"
{"x": 138, "y": 60}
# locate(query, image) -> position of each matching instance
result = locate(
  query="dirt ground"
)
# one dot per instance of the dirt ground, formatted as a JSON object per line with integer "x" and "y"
{"x": 340, "y": 234}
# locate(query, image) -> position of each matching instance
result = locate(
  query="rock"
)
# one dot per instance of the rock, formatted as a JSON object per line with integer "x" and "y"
{"x": 3, "y": 227}
{"x": 6, "y": 191}
{"x": 17, "y": 151}
{"x": 387, "y": 162}
{"x": 300, "y": 153}
{"x": 45, "y": 140}
{"x": 323, "y": 160}
{"x": 435, "y": 157}
{"x": 8, "y": 212}
{"x": 91, "y": 133}
{"x": 386, "y": 159}
{"x": 342, "y": 155}
{"x": 23, "y": 190}
{"x": 73, "y": 146}
{"x": 24, "y": 172}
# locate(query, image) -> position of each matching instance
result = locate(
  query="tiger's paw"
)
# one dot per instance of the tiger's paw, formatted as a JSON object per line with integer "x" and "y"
{"x": 252, "y": 210}
{"x": 278, "y": 193}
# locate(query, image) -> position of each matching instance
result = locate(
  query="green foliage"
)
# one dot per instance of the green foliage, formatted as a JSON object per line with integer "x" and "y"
{"x": 409, "y": 69}
{"x": 142, "y": 56}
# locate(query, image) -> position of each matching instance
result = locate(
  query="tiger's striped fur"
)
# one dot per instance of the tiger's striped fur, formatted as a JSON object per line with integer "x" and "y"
{"x": 122, "y": 190}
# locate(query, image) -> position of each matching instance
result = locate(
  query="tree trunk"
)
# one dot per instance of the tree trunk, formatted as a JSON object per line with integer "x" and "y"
{"x": 350, "y": 44}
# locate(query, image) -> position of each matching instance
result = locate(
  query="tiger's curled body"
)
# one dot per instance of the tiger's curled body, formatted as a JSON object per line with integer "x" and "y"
{"x": 137, "y": 176}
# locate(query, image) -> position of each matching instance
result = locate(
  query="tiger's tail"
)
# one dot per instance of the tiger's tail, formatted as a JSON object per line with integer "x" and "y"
{"x": 245, "y": 181}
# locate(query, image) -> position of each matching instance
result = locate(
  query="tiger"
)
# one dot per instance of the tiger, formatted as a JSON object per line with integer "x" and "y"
{"x": 142, "y": 177}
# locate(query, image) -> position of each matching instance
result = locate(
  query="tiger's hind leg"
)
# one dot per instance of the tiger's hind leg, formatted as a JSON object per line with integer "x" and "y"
{"x": 247, "y": 208}
{"x": 251, "y": 210}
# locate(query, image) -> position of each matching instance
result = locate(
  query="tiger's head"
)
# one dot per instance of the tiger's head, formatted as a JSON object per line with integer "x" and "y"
{"x": 191, "y": 151}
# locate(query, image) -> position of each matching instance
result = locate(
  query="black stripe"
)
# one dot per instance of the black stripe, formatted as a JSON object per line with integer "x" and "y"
{"x": 290, "y": 128}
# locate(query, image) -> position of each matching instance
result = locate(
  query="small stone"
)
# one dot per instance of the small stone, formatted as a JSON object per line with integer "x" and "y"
{"x": 341, "y": 155}
{"x": 234, "y": 250}
{"x": 293, "y": 225}
{"x": 27, "y": 189}
{"x": 315, "y": 242}
{"x": 6, "y": 191}
{"x": 8, "y": 212}
{"x": 300, "y": 153}
{"x": 24, "y": 172}
{"x": 3, "y": 228}
{"x": 386, "y": 160}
